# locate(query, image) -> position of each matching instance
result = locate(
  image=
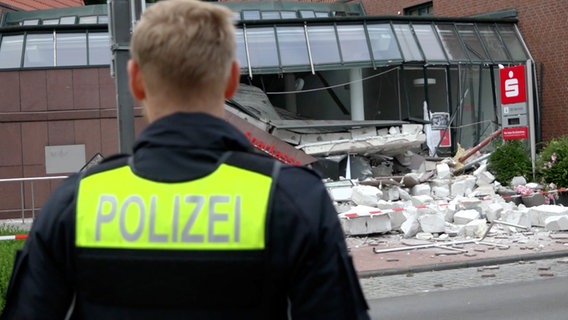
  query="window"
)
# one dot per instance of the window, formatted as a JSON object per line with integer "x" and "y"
{"x": 353, "y": 42}
{"x": 293, "y": 47}
{"x": 383, "y": 42}
{"x": 407, "y": 43}
{"x": 425, "y": 9}
{"x": 11, "y": 51}
{"x": 429, "y": 42}
{"x": 323, "y": 44}
{"x": 39, "y": 50}
{"x": 99, "y": 48}
{"x": 262, "y": 47}
{"x": 71, "y": 49}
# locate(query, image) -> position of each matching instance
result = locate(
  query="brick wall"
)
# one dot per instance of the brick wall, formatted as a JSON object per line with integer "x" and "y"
{"x": 40, "y": 108}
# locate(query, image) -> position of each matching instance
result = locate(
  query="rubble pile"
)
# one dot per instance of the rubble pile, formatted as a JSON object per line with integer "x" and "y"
{"x": 438, "y": 203}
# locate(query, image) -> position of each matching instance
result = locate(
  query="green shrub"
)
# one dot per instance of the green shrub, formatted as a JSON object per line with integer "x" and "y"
{"x": 510, "y": 159}
{"x": 7, "y": 253}
{"x": 552, "y": 162}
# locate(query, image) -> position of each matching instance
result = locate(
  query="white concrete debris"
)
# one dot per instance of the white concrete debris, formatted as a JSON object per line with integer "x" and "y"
{"x": 556, "y": 223}
{"x": 421, "y": 200}
{"x": 539, "y": 214}
{"x": 518, "y": 181}
{"x": 422, "y": 189}
{"x": 432, "y": 223}
{"x": 366, "y": 195}
{"x": 410, "y": 227}
{"x": 391, "y": 194}
{"x": 434, "y": 203}
{"x": 519, "y": 217}
{"x": 493, "y": 211}
{"x": 476, "y": 228}
{"x": 364, "y": 220}
{"x": 466, "y": 216}
{"x": 397, "y": 218}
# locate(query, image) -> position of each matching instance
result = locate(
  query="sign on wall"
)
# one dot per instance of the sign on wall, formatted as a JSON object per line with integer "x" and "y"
{"x": 64, "y": 159}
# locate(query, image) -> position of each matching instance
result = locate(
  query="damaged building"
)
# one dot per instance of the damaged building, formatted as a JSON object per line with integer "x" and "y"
{"x": 323, "y": 84}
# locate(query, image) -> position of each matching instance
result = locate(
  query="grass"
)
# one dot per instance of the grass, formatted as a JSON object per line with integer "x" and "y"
{"x": 8, "y": 250}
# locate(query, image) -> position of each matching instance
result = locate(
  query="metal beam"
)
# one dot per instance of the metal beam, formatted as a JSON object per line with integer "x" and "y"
{"x": 122, "y": 17}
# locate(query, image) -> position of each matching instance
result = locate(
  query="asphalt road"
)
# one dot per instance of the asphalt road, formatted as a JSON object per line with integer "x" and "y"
{"x": 544, "y": 299}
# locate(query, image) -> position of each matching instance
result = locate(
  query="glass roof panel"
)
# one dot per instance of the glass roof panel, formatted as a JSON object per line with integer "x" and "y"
{"x": 241, "y": 50}
{"x": 103, "y": 19}
{"x": 493, "y": 44}
{"x": 88, "y": 20}
{"x": 288, "y": 14}
{"x": 383, "y": 42}
{"x": 39, "y": 50}
{"x": 323, "y": 44}
{"x": 451, "y": 42}
{"x": 268, "y": 15}
{"x": 71, "y": 49}
{"x": 513, "y": 42}
{"x": 307, "y": 14}
{"x": 353, "y": 43}
{"x": 409, "y": 47}
{"x": 50, "y": 21}
{"x": 11, "y": 51}
{"x": 99, "y": 48}
{"x": 32, "y": 22}
{"x": 251, "y": 14}
{"x": 429, "y": 42}
{"x": 475, "y": 49}
{"x": 67, "y": 20}
{"x": 293, "y": 46}
{"x": 262, "y": 47}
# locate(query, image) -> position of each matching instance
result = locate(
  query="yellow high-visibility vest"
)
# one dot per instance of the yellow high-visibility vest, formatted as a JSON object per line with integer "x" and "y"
{"x": 225, "y": 210}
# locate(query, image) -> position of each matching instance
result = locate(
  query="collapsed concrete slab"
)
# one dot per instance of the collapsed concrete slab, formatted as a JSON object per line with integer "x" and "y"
{"x": 390, "y": 144}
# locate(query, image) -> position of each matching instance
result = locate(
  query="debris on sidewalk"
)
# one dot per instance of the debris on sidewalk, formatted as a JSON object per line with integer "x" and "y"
{"x": 446, "y": 206}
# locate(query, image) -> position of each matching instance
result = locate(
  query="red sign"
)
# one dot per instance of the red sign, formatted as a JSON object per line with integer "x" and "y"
{"x": 515, "y": 133}
{"x": 513, "y": 85}
{"x": 446, "y": 139}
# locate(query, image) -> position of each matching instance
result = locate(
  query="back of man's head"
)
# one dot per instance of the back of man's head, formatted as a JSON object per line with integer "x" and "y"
{"x": 184, "y": 47}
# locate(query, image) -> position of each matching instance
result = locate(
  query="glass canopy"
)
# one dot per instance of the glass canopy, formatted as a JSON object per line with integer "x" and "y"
{"x": 274, "y": 45}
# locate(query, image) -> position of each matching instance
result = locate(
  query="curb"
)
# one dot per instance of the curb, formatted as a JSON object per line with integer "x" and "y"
{"x": 464, "y": 264}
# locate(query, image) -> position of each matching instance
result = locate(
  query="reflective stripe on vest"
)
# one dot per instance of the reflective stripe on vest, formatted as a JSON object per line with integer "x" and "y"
{"x": 225, "y": 210}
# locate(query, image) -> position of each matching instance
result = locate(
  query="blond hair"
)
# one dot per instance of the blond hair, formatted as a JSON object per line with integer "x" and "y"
{"x": 184, "y": 47}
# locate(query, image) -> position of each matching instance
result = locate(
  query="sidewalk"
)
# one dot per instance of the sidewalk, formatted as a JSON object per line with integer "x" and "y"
{"x": 494, "y": 250}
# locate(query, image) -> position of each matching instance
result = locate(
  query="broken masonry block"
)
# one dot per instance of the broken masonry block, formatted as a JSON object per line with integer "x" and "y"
{"x": 466, "y": 216}
{"x": 366, "y": 195}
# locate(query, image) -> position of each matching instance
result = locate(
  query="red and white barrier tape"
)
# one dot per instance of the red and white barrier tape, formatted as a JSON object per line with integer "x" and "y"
{"x": 14, "y": 237}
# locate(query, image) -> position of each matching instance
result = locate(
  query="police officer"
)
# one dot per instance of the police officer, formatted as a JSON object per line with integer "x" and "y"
{"x": 194, "y": 224}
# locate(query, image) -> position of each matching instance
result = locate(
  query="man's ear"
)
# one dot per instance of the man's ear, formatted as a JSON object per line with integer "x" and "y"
{"x": 135, "y": 81}
{"x": 233, "y": 81}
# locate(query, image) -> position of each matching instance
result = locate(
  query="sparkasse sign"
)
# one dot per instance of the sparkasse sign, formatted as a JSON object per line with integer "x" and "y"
{"x": 514, "y": 103}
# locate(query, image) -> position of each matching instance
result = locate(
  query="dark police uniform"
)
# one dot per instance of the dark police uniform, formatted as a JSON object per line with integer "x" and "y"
{"x": 192, "y": 226}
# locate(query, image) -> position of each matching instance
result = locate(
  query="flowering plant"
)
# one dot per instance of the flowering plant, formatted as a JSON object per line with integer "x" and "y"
{"x": 553, "y": 163}
{"x": 524, "y": 190}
